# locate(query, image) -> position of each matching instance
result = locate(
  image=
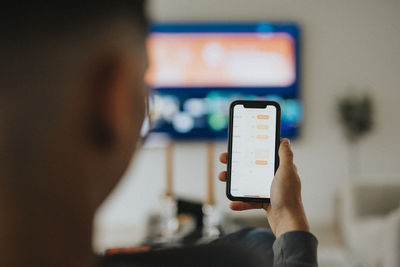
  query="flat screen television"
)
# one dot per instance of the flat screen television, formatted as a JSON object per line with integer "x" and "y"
{"x": 197, "y": 69}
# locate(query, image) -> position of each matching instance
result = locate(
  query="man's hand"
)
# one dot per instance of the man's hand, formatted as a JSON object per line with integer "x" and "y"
{"x": 285, "y": 212}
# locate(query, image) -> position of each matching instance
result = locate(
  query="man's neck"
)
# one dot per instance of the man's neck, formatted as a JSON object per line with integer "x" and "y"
{"x": 38, "y": 231}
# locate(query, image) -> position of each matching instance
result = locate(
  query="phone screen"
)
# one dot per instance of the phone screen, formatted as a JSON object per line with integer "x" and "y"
{"x": 253, "y": 150}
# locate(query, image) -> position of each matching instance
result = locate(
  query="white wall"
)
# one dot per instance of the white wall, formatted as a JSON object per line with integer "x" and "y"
{"x": 345, "y": 43}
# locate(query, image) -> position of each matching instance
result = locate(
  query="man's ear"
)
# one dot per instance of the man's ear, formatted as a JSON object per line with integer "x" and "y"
{"x": 112, "y": 84}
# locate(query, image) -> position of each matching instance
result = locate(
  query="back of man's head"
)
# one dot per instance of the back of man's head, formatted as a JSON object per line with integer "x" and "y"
{"x": 71, "y": 107}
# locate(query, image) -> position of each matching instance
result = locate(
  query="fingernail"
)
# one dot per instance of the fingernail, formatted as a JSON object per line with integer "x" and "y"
{"x": 286, "y": 141}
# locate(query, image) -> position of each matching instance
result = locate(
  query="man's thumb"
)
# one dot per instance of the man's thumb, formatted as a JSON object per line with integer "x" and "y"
{"x": 285, "y": 152}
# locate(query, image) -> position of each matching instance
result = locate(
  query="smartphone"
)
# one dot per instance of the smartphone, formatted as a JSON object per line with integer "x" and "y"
{"x": 254, "y": 137}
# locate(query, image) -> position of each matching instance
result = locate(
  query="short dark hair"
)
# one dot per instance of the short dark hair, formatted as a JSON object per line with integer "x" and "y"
{"x": 40, "y": 43}
{"x": 20, "y": 18}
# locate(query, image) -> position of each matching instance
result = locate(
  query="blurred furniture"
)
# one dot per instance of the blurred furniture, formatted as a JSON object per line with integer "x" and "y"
{"x": 370, "y": 223}
{"x": 180, "y": 221}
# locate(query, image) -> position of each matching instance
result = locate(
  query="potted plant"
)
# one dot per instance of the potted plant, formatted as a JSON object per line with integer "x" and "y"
{"x": 356, "y": 116}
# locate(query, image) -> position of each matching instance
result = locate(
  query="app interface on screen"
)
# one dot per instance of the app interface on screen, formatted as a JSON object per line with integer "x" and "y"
{"x": 253, "y": 151}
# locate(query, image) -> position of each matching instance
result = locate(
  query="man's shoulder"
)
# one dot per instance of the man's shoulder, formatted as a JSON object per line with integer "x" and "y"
{"x": 201, "y": 255}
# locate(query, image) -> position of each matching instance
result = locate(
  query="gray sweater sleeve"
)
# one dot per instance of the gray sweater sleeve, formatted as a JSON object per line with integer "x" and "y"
{"x": 295, "y": 249}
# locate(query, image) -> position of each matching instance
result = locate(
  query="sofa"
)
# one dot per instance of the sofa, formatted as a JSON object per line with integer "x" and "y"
{"x": 370, "y": 223}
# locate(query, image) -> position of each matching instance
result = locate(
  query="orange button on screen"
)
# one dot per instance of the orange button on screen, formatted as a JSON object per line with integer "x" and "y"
{"x": 263, "y": 117}
{"x": 262, "y": 127}
{"x": 261, "y": 162}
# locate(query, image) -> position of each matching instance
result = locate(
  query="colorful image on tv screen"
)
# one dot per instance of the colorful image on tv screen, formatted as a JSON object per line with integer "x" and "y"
{"x": 196, "y": 71}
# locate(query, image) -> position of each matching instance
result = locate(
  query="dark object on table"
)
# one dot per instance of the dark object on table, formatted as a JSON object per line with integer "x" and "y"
{"x": 189, "y": 232}
{"x": 194, "y": 209}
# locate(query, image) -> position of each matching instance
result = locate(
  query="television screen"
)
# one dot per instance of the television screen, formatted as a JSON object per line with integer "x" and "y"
{"x": 196, "y": 70}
